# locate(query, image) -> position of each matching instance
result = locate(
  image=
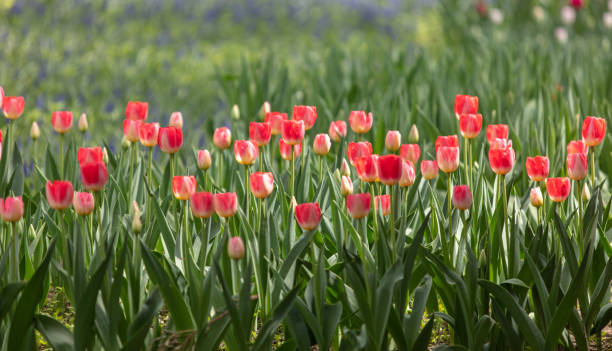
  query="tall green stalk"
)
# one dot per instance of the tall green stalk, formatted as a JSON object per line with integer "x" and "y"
{"x": 15, "y": 254}
{"x": 131, "y": 180}
{"x": 150, "y": 180}
{"x": 450, "y": 213}
{"x": 247, "y": 193}
{"x": 61, "y": 154}
{"x": 592, "y": 168}
{"x": 292, "y": 173}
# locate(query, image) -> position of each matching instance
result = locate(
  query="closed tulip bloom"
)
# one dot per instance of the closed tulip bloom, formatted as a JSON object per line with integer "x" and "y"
{"x": 285, "y": 150}
{"x": 137, "y": 110}
{"x": 367, "y": 168}
{"x": 558, "y": 188}
{"x": 308, "y": 215}
{"x": 385, "y": 202}
{"x": 61, "y": 121}
{"x": 413, "y": 135}
{"x": 34, "y": 131}
{"x": 447, "y": 141}
{"x": 537, "y": 168}
{"x": 148, "y": 134}
{"x": 358, "y": 205}
{"x": 245, "y": 152}
{"x": 360, "y": 121}
{"x": 337, "y": 130}
{"x": 470, "y": 125}
{"x": 59, "y": 194}
{"x": 410, "y": 152}
{"x": 462, "y": 197}
{"x": 222, "y": 138}
{"x": 90, "y": 154}
{"x": 593, "y": 130}
{"x": 260, "y": 133}
{"x": 83, "y": 203}
{"x": 204, "y": 159}
{"x": 235, "y": 112}
{"x": 390, "y": 169}
{"x": 501, "y": 156}
{"x": 11, "y": 209}
{"x": 262, "y": 184}
{"x": 226, "y": 204}
{"x": 170, "y": 139}
{"x": 235, "y": 248}
{"x": 292, "y": 131}
{"x": 429, "y": 169}
{"x": 275, "y": 119}
{"x": 577, "y": 4}
{"x": 83, "y": 124}
{"x": 176, "y": 120}
{"x": 577, "y": 147}
{"x": 344, "y": 168}
{"x": 130, "y": 129}
{"x": 308, "y": 114}
{"x": 408, "y": 174}
{"x": 264, "y": 110}
{"x": 321, "y": 144}
{"x": 183, "y": 187}
{"x": 202, "y": 204}
{"x": 356, "y": 150}
{"x": 577, "y": 166}
{"x": 497, "y": 131}
{"x": 448, "y": 158}
{"x": 346, "y": 186}
{"x": 13, "y": 106}
{"x": 466, "y": 104}
{"x": 535, "y": 197}
{"x": 393, "y": 140}
{"x": 94, "y": 175}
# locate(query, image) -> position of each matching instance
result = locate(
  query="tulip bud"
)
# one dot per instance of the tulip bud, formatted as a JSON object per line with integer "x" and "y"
{"x": 125, "y": 144}
{"x": 83, "y": 125}
{"x": 204, "y": 160}
{"x": 321, "y": 144}
{"x": 532, "y": 316}
{"x": 34, "y": 131}
{"x": 345, "y": 170}
{"x": 293, "y": 202}
{"x": 413, "y": 136}
{"x": 586, "y": 193}
{"x": 136, "y": 223}
{"x": 176, "y": 120}
{"x": 104, "y": 155}
{"x": 134, "y": 209}
{"x": 235, "y": 113}
{"x": 265, "y": 108}
{"x": 535, "y": 197}
{"x": 235, "y": 248}
{"x": 482, "y": 260}
{"x": 346, "y": 186}
{"x": 393, "y": 140}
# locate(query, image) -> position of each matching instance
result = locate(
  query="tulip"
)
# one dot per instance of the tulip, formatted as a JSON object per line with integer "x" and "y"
{"x": 275, "y": 119}
{"x": 148, "y": 134}
{"x": 90, "y": 154}
{"x": 593, "y": 130}
{"x": 176, "y": 120}
{"x": 260, "y": 133}
{"x": 292, "y": 131}
{"x": 410, "y": 152}
{"x": 577, "y": 147}
{"x": 204, "y": 160}
{"x": 34, "y": 131}
{"x": 346, "y": 186}
{"x": 497, "y": 131}
{"x": 390, "y": 169}
{"x": 501, "y": 156}
{"x": 558, "y": 188}
{"x": 393, "y": 140}
{"x": 83, "y": 125}
{"x": 462, "y": 197}
{"x": 337, "y": 130}
{"x": 83, "y": 203}
{"x": 367, "y": 168}
{"x": 285, "y": 150}
{"x": 308, "y": 215}
{"x": 222, "y": 138}
{"x": 360, "y": 122}
{"x": 262, "y": 184}
{"x": 308, "y": 114}
{"x": 94, "y": 175}
{"x": 537, "y": 168}
{"x": 577, "y": 166}
{"x": 235, "y": 248}
{"x": 385, "y": 201}
{"x": 466, "y": 104}
{"x": 104, "y": 155}
{"x": 470, "y": 125}
{"x": 136, "y": 222}
{"x": 448, "y": 158}
{"x": 429, "y": 169}
{"x": 447, "y": 141}
{"x": 202, "y": 204}
{"x": 408, "y": 174}
{"x": 130, "y": 129}
{"x": 586, "y": 194}
{"x": 535, "y": 197}
{"x": 235, "y": 112}
{"x": 413, "y": 135}
{"x": 356, "y": 150}
{"x": 358, "y": 205}
{"x": 344, "y": 168}
{"x": 321, "y": 144}
{"x": 59, "y": 194}
{"x": 136, "y": 110}
{"x": 245, "y": 152}
{"x": 170, "y": 139}
{"x": 1, "y": 96}
{"x": 264, "y": 110}
{"x": 61, "y": 121}
{"x": 11, "y": 209}
{"x": 183, "y": 187}
{"x": 577, "y": 4}
{"x": 226, "y": 204}
{"x": 13, "y": 106}
{"x": 125, "y": 144}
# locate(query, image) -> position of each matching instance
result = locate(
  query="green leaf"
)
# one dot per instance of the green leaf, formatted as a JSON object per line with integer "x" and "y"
{"x": 58, "y": 336}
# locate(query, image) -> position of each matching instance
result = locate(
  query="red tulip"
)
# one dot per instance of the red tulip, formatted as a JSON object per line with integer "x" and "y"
{"x": 346, "y": 186}
{"x": 558, "y": 188}
{"x": 226, "y": 204}
{"x": 360, "y": 121}
{"x": 429, "y": 169}
{"x": 275, "y": 119}
{"x": 462, "y": 197}
{"x": 393, "y": 140}
{"x": 13, "y": 106}
{"x": 501, "y": 156}
{"x": 222, "y": 138}
{"x": 535, "y": 197}
{"x": 390, "y": 169}
{"x": 262, "y": 184}
{"x": 337, "y": 130}
{"x": 292, "y": 131}
{"x": 148, "y": 134}
{"x": 137, "y": 110}
{"x": 577, "y": 147}
{"x": 83, "y": 203}
{"x": 176, "y": 120}
{"x": 90, "y": 154}
{"x": 356, "y": 150}
{"x": 94, "y": 175}
{"x": 285, "y": 150}
{"x": 537, "y": 168}
{"x": 410, "y": 152}
{"x": 321, "y": 144}
{"x": 235, "y": 248}
{"x": 408, "y": 174}
{"x": 448, "y": 158}
{"x": 59, "y": 194}
{"x": 577, "y": 166}
{"x": 170, "y": 139}
{"x": 130, "y": 129}
{"x": 11, "y": 209}
{"x": 470, "y": 125}
{"x": 204, "y": 160}
{"x": 202, "y": 204}
{"x": 308, "y": 215}
{"x": 466, "y": 104}
{"x": 593, "y": 130}
{"x": 1, "y": 95}
{"x": 577, "y": 4}
{"x": 260, "y": 133}
{"x": 308, "y": 114}
{"x": 367, "y": 168}
{"x": 183, "y": 187}
{"x": 447, "y": 141}
{"x": 245, "y": 152}
{"x": 497, "y": 131}
{"x": 61, "y": 121}
{"x": 385, "y": 201}
{"x": 358, "y": 205}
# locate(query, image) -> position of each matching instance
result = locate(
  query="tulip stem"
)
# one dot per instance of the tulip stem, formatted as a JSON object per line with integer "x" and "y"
{"x": 392, "y": 201}
{"x": 375, "y": 213}
{"x": 580, "y": 230}
{"x": 292, "y": 173}
{"x": 450, "y": 216}
{"x": 321, "y": 168}
{"x": 247, "y": 191}
{"x": 15, "y": 263}
{"x": 465, "y": 162}
{"x": 471, "y": 165}
{"x": 61, "y": 155}
{"x": 593, "y": 168}
{"x": 131, "y": 180}
{"x": 150, "y": 179}
{"x": 502, "y": 184}
{"x": 204, "y": 244}
{"x": 10, "y": 141}
{"x": 186, "y": 224}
